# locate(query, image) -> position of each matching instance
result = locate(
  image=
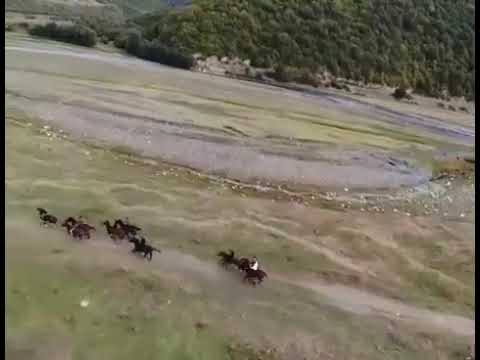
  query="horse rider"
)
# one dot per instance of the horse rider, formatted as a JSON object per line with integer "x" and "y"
{"x": 254, "y": 264}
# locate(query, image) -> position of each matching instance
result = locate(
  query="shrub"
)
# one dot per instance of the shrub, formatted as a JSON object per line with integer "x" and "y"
{"x": 73, "y": 34}
{"x": 155, "y": 51}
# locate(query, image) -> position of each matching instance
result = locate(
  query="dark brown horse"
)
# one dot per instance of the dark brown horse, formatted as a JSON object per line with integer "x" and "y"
{"x": 129, "y": 229}
{"x": 46, "y": 218}
{"x": 77, "y": 228}
{"x": 227, "y": 259}
{"x": 254, "y": 277}
{"x": 115, "y": 232}
{"x": 141, "y": 246}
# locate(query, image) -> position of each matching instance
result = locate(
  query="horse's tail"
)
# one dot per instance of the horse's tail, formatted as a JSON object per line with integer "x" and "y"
{"x": 222, "y": 254}
{"x": 157, "y": 250}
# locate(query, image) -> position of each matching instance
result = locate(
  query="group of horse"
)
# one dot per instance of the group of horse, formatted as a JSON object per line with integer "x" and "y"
{"x": 252, "y": 276}
{"x": 119, "y": 231}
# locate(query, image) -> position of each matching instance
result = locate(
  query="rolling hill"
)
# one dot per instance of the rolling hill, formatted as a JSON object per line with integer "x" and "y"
{"x": 426, "y": 44}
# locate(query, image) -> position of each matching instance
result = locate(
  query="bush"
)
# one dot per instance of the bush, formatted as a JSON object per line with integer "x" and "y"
{"x": 134, "y": 44}
{"x": 73, "y": 34}
{"x": 283, "y": 74}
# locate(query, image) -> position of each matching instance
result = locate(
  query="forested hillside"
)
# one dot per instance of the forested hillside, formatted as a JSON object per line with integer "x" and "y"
{"x": 426, "y": 44}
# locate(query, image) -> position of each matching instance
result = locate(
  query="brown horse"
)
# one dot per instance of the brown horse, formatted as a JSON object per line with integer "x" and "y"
{"x": 254, "y": 277}
{"x": 81, "y": 231}
{"x": 77, "y": 228}
{"x": 115, "y": 232}
{"x": 227, "y": 259}
{"x": 129, "y": 229}
{"x": 141, "y": 246}
{"x": 46, "y": 218}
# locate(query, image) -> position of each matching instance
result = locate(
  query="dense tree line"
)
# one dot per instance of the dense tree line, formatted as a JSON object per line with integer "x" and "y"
{"x": 425, "y": 44}
{"x": 74, "y": 34}
{"x": 134, "y": 44}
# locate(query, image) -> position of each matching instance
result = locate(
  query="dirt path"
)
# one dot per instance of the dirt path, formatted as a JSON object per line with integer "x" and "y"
{"x": 364, "y": 303}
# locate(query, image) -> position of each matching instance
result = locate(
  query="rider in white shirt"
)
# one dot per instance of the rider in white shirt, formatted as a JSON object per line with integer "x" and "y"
{"x": 254, "y": 264}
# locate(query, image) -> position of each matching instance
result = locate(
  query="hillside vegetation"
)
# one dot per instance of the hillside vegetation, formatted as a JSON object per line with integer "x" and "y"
{"x": 426, "y": 44}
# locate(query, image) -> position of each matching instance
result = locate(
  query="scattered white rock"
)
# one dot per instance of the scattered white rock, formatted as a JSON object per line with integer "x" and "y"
{"x": 84, "y": 303}
{"x": 462, "y": 215}
{"x": 395, "y": 210}
{"x": 346, "y": 189}
{"x": 408, "y": 214}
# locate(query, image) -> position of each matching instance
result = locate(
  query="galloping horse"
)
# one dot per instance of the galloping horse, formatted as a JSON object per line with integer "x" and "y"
{"x": 252, "y": 275}
{"x": 227, "y": 259}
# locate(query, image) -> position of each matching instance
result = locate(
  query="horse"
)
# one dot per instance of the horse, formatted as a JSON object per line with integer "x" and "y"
{"x": 82, "y": 230}
{"x": 77, "y": 228}
{"x": 115, "y": 232}
{"x": 243, "y": 264}
{"x": 129, "y": 229}
{"x": 46, "y": 218}
{"x": 252, "y": 275}
{"x": 141, "y": 246}
{"x": 69, "y": 223}
{"x": 227, "y": 259}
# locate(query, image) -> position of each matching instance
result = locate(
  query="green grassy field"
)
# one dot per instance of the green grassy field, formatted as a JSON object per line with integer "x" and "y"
{"x": 48, "y": 275}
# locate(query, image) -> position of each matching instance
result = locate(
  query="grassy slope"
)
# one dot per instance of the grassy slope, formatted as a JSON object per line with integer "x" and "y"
{"x": 164, "y": 203}
{"x": 157, "y": 195}
{"x": 146, "y": 310}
